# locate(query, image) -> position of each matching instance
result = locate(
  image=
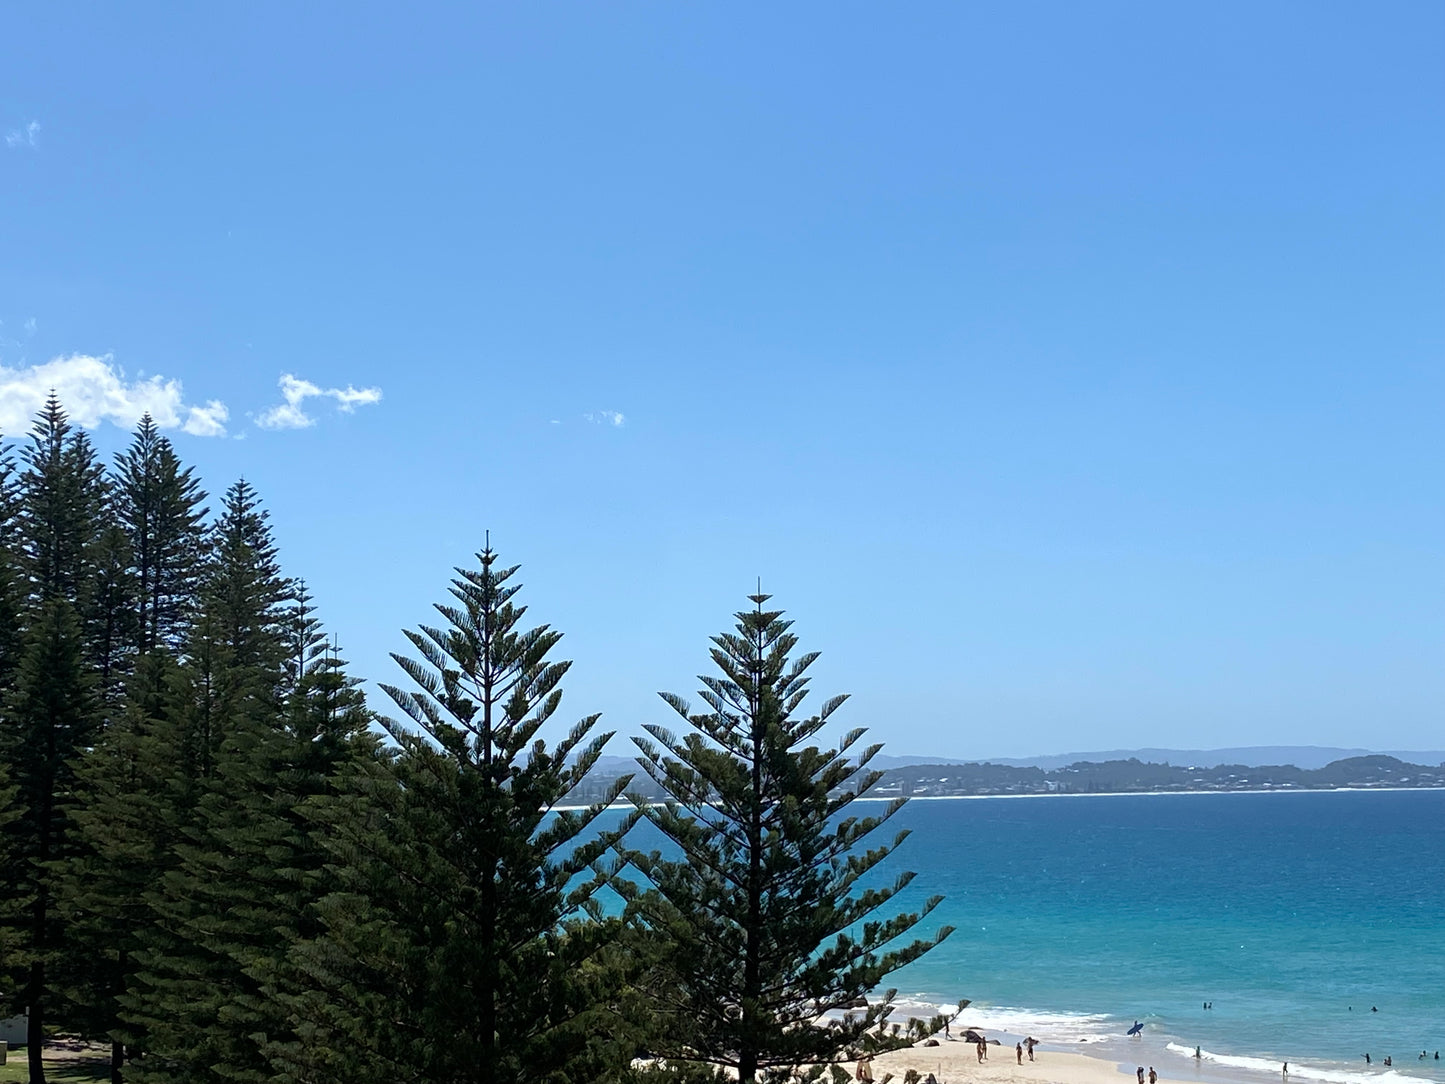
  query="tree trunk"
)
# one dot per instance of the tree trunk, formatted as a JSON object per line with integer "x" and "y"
{"x": 34, "y": 1030}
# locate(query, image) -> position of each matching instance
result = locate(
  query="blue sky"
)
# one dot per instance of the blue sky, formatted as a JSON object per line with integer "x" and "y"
{"x": 1072, "y": 373}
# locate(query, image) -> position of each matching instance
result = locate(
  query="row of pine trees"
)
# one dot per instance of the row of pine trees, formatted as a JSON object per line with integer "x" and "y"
{"x": 218, "y": 860}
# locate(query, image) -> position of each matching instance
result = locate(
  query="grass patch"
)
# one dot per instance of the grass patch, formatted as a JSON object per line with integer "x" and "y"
{"x": 16, "y": 1068}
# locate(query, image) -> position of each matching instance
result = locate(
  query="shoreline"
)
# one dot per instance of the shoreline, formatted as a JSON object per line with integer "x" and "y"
{"x": 1094, "y": 1048}
{"x": 954, "y": 1061}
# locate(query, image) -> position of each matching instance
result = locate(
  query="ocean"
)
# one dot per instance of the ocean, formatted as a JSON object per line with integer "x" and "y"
{"x": 1314, "y": 923}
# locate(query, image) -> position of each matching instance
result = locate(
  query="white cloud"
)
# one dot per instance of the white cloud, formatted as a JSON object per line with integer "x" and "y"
{"x": 291, "y": 415}
{"x": 606, "y": 417}
{"x": 207, "y": 421}
{"x": 23, "y": 137}
{"x": 95, "y": 389}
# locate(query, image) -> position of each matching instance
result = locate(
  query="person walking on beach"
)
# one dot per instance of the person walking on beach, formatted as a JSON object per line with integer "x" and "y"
{"x": 1153, "y": 1076}
{"x": 1019, "y": 1050}
{"x": 1030, "y": 1043}
{"x": 1141, "y": 1074}
{"x": 980, "y": 1049}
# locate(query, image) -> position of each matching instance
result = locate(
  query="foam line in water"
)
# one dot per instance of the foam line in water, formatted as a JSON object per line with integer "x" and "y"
{"x": 1048, "y": 1027}
{"x": 1299, "y": 1070}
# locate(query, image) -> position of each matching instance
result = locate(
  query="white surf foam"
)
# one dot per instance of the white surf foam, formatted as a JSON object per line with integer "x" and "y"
{"x": 1053, "y": 1028}
{"x": 1298, "y": 1069}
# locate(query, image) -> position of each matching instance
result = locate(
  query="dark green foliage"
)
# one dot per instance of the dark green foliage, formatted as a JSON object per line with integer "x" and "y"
{"x": 48, "y": 718}
{"x": 246, "y": 876}
{"x": 48, "y": 713}
{"x": 134, "y": 797}
{"x": 159, "y": 506}
{"x": 465, "y": 943}
{"x": 112, "y": 619}
{"x": 130, "y": 820}
{"x": 228, "y": 750}
{"x": 61, "y": 502}
{"x": 769, "y": 926}
{"x": 12, "y": 589}
{"x": 245, "y": 599}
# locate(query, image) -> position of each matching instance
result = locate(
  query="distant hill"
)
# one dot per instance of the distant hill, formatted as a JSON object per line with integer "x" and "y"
{"x": 1162, "y": 772}
{"x": 1308, "y": 757}
{"x": 1252, "y": 756}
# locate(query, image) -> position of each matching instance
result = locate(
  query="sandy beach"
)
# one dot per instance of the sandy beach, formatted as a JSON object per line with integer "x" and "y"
{"x": 956, "y": 1061}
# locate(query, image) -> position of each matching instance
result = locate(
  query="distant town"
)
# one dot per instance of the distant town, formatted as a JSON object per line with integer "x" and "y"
{"x": 1131, "y": 776}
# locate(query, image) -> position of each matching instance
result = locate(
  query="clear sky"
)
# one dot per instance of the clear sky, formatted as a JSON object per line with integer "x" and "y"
{"x": 1071, "y": 372}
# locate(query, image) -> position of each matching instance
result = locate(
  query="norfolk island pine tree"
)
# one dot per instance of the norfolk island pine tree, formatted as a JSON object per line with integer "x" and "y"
{"x": 49, "y": 713}
{"x": 770, "y": 930}
{"x": 463, "y": 943}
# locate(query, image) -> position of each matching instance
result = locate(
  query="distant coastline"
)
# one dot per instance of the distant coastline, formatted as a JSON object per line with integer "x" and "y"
{"x": 1376, "y": 772}
{"x": 623, "y": 803}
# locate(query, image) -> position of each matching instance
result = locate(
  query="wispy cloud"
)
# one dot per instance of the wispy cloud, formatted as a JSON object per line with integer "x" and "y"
{"x": 606, "y": 417}
{"x": 292, "y": 415}
{"x": 23, "y": 137}
{"x": 95, "y": 389}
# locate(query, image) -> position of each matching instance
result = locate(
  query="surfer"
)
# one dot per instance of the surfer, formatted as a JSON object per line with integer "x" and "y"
{"x": 1367, "y": 1059}
{"x": 1031, "y": 1042}
{"x": 1196, "y": 1053}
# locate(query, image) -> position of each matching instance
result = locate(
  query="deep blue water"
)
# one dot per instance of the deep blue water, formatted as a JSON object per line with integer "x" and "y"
{"x": 1294, "y": 914}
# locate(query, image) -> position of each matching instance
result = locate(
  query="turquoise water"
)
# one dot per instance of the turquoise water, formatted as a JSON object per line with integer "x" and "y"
{"x": 1294, "y": 914}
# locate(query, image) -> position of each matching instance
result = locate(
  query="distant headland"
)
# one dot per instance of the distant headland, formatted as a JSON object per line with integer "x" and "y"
{"x": 1143, "y": 771}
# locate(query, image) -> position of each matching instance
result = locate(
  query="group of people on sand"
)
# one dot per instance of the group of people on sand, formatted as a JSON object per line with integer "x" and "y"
{"x": 1153, "y": 1076}
{"x": 1020, "y": 1049}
